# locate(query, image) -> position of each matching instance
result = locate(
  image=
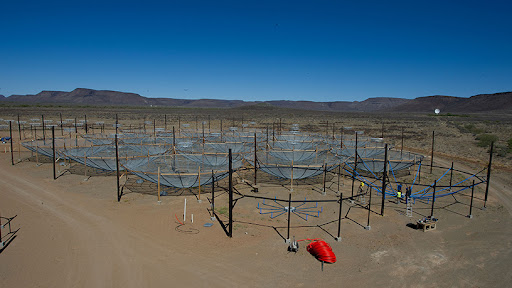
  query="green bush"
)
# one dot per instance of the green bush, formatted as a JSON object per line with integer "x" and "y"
{"x": 485, "y": 140}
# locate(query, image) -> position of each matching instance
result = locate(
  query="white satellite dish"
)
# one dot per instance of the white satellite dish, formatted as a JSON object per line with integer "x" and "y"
{"x": 437, "y": 111}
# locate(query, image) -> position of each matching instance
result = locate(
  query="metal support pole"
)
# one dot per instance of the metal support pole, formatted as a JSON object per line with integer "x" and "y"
{"x": 433, "y": 201}
{"x": 85, "y": 123}
{"x": 451, "y": 177}
{"x": 432, "y": 155}
{"x": 470, "y": 215}
{"x": 158, "y": 183}
{"x": 53, "y": 152}
{"x": 488, "y": 175}
{"x": 402, "y": 146}
{"x": 165, "y": 122}
{"x": 325, "y": 176}
{"x": 289, "y": 214}
{"x": 355, "y": 167}
{"x": 339, "y": 218}
{"x": 230, "y": 231}
{"x": 255, "y": 161}
{"x": 44, "y": 134}
{"x": 19, "y": 127}
{"x": 419, "y": 173}
{"x": 384, "y": 176}
{"x": 117, "y": 169}
{"x": 368, "y": 227}
{"x": 10, "y": 135}
{"x": 117, "y": 123}
{"x": 173, "y": 139}
{"x": 213, "y": 196}
{"x": 61, "y": 128}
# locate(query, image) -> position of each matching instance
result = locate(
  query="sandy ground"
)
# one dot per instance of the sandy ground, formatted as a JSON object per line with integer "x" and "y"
{"x": 73, "y": 233}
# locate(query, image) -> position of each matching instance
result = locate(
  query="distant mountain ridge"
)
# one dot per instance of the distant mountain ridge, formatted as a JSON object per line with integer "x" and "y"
{"x": 83, "y": 96}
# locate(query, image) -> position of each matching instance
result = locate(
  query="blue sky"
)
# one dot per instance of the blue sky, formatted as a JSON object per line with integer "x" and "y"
{"x": 258, "y": 50}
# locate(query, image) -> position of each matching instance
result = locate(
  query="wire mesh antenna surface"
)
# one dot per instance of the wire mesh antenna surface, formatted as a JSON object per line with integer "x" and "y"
{"x": 181, "y": 171}
{"x": 290, "y": 169}
{"x": 104, "y": 157}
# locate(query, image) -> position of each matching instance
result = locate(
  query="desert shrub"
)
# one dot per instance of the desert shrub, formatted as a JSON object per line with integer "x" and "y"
{"x": 501, "y": 150}
{"x": 471, "y": 128}
{"x": 509, "y": 145}
{"x": 485, "y": 140}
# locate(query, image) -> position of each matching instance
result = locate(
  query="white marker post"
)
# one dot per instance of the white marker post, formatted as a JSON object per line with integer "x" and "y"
{"x": 185, "y": 211}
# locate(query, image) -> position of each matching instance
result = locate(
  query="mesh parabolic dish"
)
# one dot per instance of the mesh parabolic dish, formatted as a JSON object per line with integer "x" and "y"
{"x": 397, "y": 161}
{"x": 104, "y": 157}
{"x": 44, "y": 147}
{"x": 295, "y": 169}
{"x": 182, "y": 171}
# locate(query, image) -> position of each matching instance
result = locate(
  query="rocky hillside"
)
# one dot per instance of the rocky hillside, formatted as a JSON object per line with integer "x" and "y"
{"x": 82, "y": 96}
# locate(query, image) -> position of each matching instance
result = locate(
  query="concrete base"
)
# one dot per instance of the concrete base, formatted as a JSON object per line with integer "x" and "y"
{"x": 159, "y": 202}
{"x": 338, "y": 239}
{"x": 213, "y": 218}
{"x": 287, "y": 241}
{"x": 367, "y": 227}
{"x": 199, "y": 201}
{"x": 351, "y": 201}
{"x": 470, "y": 216}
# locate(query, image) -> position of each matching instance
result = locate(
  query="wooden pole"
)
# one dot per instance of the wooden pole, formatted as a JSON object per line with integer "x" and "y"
{"x": 488, "y": 175}
{"x": 384, "y": 174}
